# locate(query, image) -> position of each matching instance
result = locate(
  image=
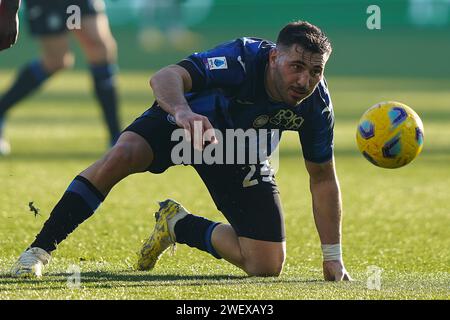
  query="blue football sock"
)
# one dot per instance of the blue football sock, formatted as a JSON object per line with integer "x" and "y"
{"x": 105, "y": 90}
{"x": 78, "y": 203}
{"x": 196, "y": 232}
{"x": 29, "y": 79}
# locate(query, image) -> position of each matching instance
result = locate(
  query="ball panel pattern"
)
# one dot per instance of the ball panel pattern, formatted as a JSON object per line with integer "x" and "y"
{"x": 390, "y": 134}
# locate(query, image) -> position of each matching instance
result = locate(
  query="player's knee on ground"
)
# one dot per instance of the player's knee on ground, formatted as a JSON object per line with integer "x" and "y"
{"x": 269, "y": 265}
{"x": 56, "y": 62}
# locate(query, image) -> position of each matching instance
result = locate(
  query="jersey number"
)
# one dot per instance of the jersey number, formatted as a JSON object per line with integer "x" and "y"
{"x": 247, "y": 182}
{"x": 266, "y": 174}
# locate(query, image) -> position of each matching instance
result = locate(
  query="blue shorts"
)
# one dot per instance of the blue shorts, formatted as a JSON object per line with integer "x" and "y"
{"x": 253, "y": 210}
{"x": 49, "y": 17}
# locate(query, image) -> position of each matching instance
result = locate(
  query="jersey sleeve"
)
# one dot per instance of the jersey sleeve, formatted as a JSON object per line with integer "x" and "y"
{"x": 317, "y": 137}
{"x": 216, "y": 68}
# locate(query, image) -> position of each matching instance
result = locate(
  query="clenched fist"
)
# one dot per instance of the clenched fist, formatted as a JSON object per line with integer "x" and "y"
{"x": 335, "y": 271}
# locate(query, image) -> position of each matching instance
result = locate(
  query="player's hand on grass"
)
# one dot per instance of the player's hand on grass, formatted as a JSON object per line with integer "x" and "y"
{"x": 9, "y": 27}
{"x": 335, "y": 271}
{"x": 197, "y": 127}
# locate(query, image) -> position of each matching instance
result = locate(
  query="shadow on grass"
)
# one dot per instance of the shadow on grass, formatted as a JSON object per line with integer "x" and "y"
{"x": 129, "y": 279}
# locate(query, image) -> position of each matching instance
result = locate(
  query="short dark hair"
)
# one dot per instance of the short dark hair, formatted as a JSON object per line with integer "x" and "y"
{"x": 305, "y": 34}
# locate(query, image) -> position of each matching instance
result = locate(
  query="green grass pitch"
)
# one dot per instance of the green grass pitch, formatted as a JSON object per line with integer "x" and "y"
{"x": 397, "y": 220}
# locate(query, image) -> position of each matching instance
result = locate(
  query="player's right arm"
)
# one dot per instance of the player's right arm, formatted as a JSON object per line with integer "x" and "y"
{"x": 169, "y": 86}
{"x": 9, "y": 23}
{"x": 216, "y": 68}
{"x": 327, "y": 209}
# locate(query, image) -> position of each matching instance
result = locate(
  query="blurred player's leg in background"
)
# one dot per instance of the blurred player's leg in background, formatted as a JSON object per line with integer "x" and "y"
{"x": 47, "y": 21}
{"x": 100, "y": 49}
{"x": 162, "y": 26}
{"x": 55, "y": 56}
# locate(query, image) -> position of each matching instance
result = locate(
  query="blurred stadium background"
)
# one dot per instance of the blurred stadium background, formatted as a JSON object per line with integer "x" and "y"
{"x": 413, "y": 40}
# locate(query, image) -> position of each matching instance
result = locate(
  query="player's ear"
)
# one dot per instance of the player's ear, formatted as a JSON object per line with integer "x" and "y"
{"x": 273, "y": 54}
{"x": 327, "y": 56}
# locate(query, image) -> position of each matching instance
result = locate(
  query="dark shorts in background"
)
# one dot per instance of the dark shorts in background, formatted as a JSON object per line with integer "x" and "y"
{"x": 49, "y": 17}
{"x": 246, "y": 195}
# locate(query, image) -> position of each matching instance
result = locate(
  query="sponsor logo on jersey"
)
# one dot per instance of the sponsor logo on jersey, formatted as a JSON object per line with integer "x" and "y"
{"x": 217, "y": 63}
{"x": 261, "y": 121}
{"x": 287, "y": 119}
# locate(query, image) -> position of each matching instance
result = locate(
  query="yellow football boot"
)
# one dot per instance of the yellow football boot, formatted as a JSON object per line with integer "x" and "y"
{"x": 163, "y": 235}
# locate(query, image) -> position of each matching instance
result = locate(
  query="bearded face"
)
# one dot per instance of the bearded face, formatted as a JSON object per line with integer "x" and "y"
{"x": 294, "y": 73}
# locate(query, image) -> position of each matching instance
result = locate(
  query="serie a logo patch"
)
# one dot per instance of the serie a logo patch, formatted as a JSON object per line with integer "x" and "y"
{"x": 217, "y": 63}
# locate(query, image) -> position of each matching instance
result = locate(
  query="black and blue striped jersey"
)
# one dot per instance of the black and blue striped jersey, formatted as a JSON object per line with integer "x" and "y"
{"x": 228, "y": 87}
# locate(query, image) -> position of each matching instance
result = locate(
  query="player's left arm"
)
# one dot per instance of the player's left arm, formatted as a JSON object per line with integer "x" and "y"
{"x": 9, "y": 23}
{"x": 327, "y": 209}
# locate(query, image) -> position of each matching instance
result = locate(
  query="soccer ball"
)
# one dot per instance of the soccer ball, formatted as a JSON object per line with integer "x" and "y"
{"x": 390, "y": 134}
